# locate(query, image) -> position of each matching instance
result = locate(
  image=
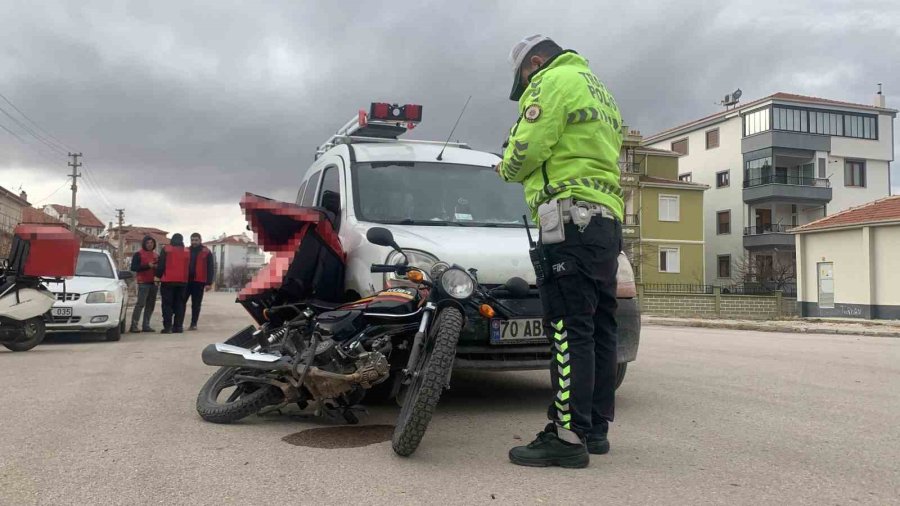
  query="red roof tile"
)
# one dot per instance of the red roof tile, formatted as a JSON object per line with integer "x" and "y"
{"x": 791, "y": 97}
{"x": 885, "y": 210}
{"x": 32, "y": 216}
{"x": 85, "y": 217}
{"x": 239, "y": 239}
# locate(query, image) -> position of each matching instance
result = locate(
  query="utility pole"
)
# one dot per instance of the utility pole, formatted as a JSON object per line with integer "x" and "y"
{"x": 75, "y": 175}
{"x": 120, "y": 213}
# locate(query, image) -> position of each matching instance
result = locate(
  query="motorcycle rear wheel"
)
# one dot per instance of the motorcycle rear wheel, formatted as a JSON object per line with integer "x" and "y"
{"x": 423, "y": 394}
{"x": 35, "y": 330}
{"x": 241, "y": 404}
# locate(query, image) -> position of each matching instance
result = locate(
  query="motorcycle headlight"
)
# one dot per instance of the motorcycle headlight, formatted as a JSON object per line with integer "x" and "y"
{"x": 457, "y": 283}
{"x": 101, "y": 298}
{"x": 419, "y": 259}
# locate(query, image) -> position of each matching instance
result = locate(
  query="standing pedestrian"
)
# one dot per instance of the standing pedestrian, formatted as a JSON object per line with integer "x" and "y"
{"x": 201, "y": 272}
{"x": 143, "y": 263}
{"x": 564, "y": 151}
{"x": 172, "y": 270}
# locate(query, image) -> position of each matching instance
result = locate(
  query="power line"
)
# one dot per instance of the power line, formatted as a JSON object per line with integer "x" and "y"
{"x": 23, "y": 141}
{"x": 61, "y": 143}
{"x": 34, "y": 134}
{"x": 52, "y": 194}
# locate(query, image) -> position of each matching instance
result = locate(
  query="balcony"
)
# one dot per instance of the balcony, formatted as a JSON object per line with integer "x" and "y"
{"x": 631, "y": 229}
{"x": 787, "y": 189}
{"x": 630, "y": 173}
{"x": 768, "y": 237}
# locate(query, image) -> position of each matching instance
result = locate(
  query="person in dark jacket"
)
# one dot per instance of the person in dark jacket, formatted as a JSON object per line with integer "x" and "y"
{"x": 143, "y": 263}
{"x": 172, "y": 271}
{"x": 201, "y": 273}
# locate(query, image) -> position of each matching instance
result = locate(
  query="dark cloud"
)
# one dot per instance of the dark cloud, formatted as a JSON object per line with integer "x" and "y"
{"x": 207, "y": 100}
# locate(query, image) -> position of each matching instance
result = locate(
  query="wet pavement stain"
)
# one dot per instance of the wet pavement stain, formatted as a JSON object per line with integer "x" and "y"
{"x": 346, "y": 436}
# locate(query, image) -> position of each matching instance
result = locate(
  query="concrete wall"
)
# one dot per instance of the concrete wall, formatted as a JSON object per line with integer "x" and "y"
{"x": 886, "y": 268}
{"x": 881, "y": 149}
{"x": 687, "y": 228}
{"x": 691, "y": 260}
{"x": 865, "y": 271}
{"x": 844, "y": 197}
{"x": 703, "y": 164}
{"x": 746, "y": 307}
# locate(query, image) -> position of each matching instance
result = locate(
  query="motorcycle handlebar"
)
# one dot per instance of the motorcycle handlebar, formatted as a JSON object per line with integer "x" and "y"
{"x": 384, "y": 268}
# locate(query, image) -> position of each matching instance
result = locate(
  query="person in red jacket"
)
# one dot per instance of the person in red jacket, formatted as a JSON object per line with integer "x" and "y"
{"x": 201, "y": 273}
{"x": 172, "y": 270}
{"x": 143, "y": 263}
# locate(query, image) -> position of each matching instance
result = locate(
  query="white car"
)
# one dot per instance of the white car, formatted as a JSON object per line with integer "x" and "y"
{"x": 93, "y": 300}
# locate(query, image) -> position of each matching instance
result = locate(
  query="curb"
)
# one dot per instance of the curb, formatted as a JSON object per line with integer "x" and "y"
{"x": 767, "y": 328}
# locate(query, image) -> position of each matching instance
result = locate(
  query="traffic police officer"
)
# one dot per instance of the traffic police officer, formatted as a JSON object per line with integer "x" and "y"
{"x": 564, "y": 151}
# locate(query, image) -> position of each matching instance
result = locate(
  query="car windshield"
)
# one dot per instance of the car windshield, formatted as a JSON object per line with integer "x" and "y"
{"x": 430, "y": 193}
{"x": 93, "y": 264}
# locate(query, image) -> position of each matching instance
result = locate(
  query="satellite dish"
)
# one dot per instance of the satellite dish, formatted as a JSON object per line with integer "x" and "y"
{"x": 737, "y": 94}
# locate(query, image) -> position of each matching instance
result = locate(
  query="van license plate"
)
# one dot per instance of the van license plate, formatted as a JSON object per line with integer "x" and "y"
{"x": 61, "y": 311}
{"x": 517, "y": 331}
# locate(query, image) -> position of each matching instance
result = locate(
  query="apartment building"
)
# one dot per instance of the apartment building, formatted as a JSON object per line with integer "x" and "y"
{"x": 663, "y": 229}
{"x": 774, "y": 164}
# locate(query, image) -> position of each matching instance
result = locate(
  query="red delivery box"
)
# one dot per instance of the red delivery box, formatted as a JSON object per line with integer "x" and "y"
{"x": 49, "y": 251}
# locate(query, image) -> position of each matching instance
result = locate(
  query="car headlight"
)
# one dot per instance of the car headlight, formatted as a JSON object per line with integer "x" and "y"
{"x": 101, "y": 297}
{"x": 419, "y": 259}
{"x": 457, "y": 283}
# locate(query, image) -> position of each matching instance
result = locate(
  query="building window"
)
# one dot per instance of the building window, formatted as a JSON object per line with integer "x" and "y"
{"x": 724, "y": 266}
{"x": 797, "y": 119}
{"x": 756, "y": 122}
{"x": 669, "y": 260}
{"x": 668, "y": 208}
{"x": 680, "y": 146}
{"x": 712, "y": 138}
{"x": 723, "y": 222}
{"x": 758, "y": 172}
{"x": 685, "y": 177}
{"x": 855, "y": 173}
{"x": 723, "y": 179}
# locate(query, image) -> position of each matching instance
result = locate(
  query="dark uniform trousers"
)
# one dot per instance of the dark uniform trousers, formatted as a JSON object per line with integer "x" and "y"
{"x": 579, "y": 301}
{"x": 174, "y": 297}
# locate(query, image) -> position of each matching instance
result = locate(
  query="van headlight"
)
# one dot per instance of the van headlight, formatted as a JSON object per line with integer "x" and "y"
{"x": 101, "y": 297}
{"x": 457, "y": 283}
{"x": 418, "y": 259}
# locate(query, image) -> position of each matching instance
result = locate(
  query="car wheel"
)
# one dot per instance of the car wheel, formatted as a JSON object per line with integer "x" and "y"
{"x": 114, "y": 334}
{"x": 620, "y": 374}
{"x": 122, "y": 327}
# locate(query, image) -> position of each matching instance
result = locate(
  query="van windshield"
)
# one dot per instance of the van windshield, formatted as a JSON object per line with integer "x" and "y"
{"x": 429, "y": 193}
{"x": 93, "y": 265}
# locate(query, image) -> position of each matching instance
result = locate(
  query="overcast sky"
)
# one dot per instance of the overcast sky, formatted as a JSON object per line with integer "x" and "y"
{"x": 180, "y": 107}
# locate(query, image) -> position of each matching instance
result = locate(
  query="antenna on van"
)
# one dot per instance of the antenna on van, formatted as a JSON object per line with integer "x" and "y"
{"x": 440, "y": 156}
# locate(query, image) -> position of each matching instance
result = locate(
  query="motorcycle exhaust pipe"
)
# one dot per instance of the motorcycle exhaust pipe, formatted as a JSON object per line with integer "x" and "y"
{"x": 226, "y": 355}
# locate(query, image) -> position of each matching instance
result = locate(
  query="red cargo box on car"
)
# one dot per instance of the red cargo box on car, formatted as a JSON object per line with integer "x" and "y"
{"x": 48, "y": 251}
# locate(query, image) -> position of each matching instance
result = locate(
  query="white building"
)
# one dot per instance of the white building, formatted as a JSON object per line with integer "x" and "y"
{"x": 847, "y": 263}
{"x": 235, "y": 253}
{"x": 778, "y": 163}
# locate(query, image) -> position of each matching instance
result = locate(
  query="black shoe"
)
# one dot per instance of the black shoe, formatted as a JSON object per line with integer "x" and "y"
{"x": 148, "y": 328}
{"x": 192, "y": 327}
{"x": 165, "y": 331}
{"x": 549, "y": 450}
{"x": 134, "y": 329}
{"x": 597, "y": 445}
{"x": 179, "y": 330}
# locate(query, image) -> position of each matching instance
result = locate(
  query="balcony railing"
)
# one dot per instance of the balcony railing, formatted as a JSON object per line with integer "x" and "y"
{"x": 791, "y": 180}
{"x": 767, "y": 229}
{"x": 632, "y": 220}
{"x": 630, "y": 168}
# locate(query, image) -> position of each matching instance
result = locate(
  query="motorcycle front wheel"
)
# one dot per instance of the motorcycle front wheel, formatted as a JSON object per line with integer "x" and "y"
{"x": 35, "y": 330}
{"x": 240, "y": 399}
{"x": 431, "y": 373}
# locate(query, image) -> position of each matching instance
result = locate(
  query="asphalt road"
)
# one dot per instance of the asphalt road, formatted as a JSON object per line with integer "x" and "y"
{"x": 704, "y": 417}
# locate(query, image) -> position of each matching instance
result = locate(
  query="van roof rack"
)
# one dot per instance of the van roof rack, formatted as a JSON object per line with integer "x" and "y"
{"x": 383, "y": 123}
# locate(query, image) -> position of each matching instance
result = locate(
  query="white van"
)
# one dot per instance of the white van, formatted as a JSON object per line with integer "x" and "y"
{"x": 441, "y": 203}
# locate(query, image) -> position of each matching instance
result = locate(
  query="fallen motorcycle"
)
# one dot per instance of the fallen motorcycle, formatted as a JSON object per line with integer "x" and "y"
{"x": 38, "y": 254}
{"x": 329, "y": 355}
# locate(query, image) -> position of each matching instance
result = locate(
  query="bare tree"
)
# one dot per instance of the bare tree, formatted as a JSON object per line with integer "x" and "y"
{"x": 237, "y": 276}
{"x": 775, "y": 271}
